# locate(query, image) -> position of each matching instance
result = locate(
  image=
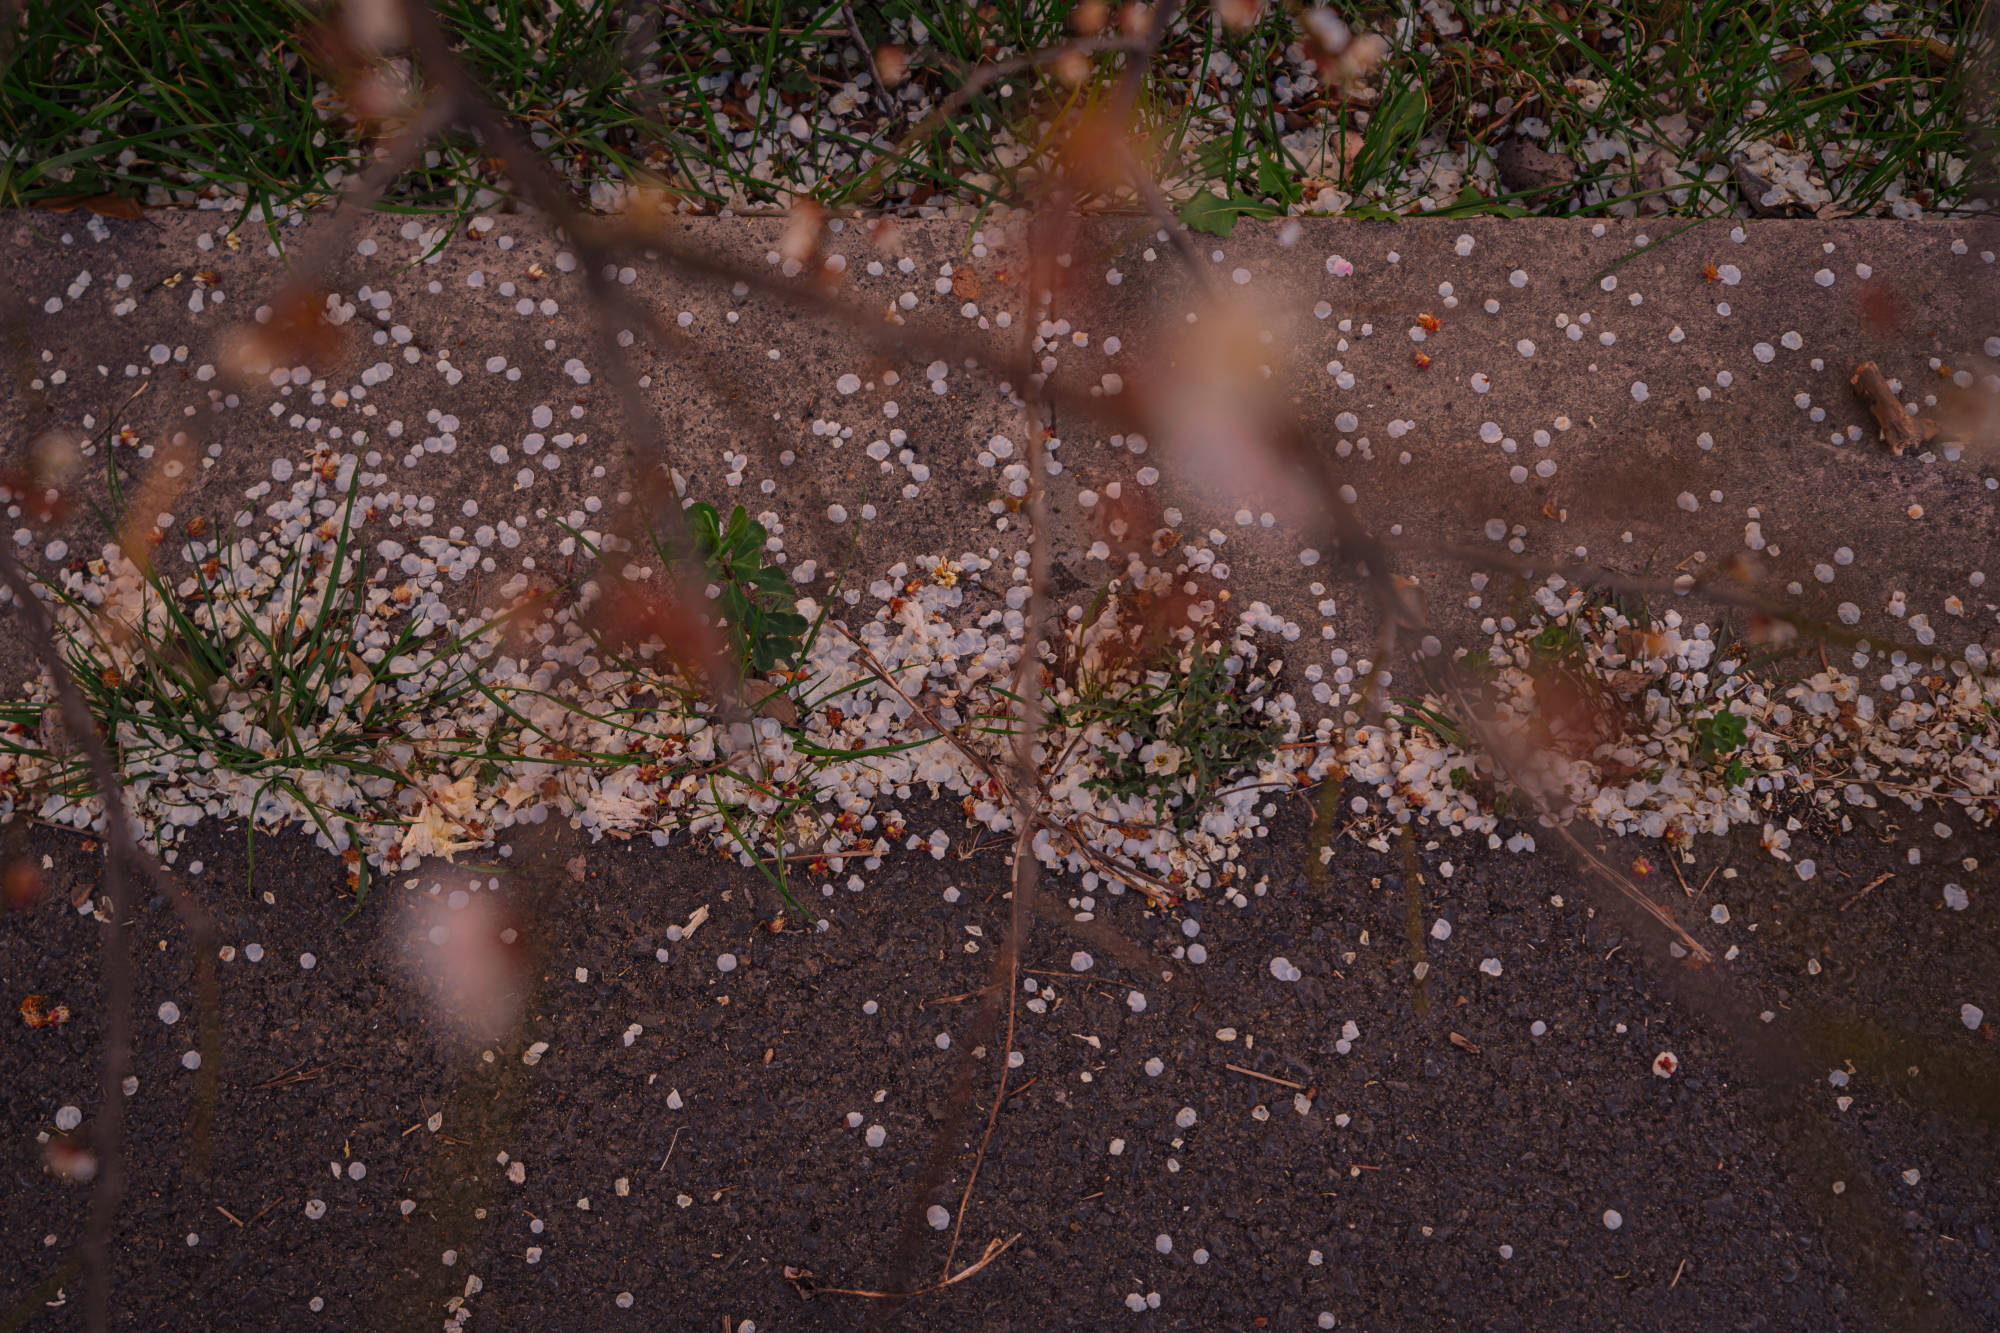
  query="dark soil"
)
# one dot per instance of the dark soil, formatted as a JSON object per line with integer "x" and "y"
{"x": 1465, "y": 1133}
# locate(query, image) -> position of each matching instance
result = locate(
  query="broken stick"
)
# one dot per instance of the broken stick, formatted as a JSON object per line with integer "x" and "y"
{"x": 1898, "y": 428}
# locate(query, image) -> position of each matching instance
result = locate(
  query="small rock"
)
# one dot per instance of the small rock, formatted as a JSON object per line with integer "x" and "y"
{"x": 1523, "y": 166}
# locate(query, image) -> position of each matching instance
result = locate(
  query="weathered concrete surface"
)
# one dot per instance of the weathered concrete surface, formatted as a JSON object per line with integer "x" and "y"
{"x": 756, "y": 374}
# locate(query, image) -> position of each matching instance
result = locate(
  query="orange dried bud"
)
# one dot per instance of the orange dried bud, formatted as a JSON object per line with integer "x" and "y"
{"x": 1423, "y": 362}
{"x": 36, "y": 1012}
{"x": 803, "y": 228}
{"x": 893, "y": 65}
{"x": 1429, "y": 322}
{"x": 1239, "y": 14}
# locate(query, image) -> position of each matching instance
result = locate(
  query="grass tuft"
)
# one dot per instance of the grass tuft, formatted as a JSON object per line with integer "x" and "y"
{"x": 1844, "y": 106}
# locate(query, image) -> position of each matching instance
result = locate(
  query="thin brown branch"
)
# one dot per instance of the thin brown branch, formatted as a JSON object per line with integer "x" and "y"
{"x": 994, "y": 1249}
{"x": 659, "y": 499}
{"x": 1281, "y": 1082}
{"x": 1495, "y": 749}
{"x": 123, "y": 857}
{"x": 980, "y": 79}
{"x": 1869, "y": 888}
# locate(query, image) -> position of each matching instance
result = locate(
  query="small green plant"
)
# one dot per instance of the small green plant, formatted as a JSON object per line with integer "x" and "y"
{"x": 765, "y": 626}
{"x": 1427, "y": 717}
{"x": 1177, "y": 734}
{"x": 1558, "y": 640}
{"x": 1718, "y": 736}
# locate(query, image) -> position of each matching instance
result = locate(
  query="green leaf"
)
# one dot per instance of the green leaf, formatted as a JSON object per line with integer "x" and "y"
{"x": 1214, "y": 214}
{"x": 1275, "y": 182}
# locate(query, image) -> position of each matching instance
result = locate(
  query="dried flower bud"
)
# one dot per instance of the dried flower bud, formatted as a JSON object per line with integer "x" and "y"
{"x": 803, "y": 227}
{"x": 374, "y": 26}
{"x": 1239, "y": 15}
{"x": 892, "y": 64}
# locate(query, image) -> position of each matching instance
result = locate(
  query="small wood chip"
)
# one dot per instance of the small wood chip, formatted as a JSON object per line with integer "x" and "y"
{"x": 1753, "y": 188}
{"x": 1464, "y": 1043}
{"x": 1898, "y": 428}
{"x": 1867, "y": 888}
{"x": 1523, "y": 166}
{"x": 770, "y": 700}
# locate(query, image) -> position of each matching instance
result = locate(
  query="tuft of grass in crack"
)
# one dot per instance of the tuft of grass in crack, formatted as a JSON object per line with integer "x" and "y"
{"x": 1174, "y": 734}
{"x": 771, "y": 816}
{"x": 261, "y": 670}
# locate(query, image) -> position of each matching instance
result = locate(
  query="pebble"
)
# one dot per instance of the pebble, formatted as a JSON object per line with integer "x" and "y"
{"x": 1613, "y": 1219}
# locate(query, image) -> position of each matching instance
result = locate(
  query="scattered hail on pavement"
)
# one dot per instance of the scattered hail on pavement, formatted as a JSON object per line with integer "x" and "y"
{"x": 494, "y": 719}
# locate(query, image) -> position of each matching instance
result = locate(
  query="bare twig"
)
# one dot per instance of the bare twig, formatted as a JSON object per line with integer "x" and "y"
{"x": 980, "y": 79}
{"x": 1122, "y": 871}
{"x": 123, "y": 857}
{"x": 1281, "y": 1082}
{"x": 1496, "y": 749}
{"x": 994, "y": 1249}
{"x": 660, "y": 500}
{"x": 1027, "y": 866}
{"x": 1899, "y": 430}
{"x": 882, "y": 97}
{"x": 1868, "y": 888}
